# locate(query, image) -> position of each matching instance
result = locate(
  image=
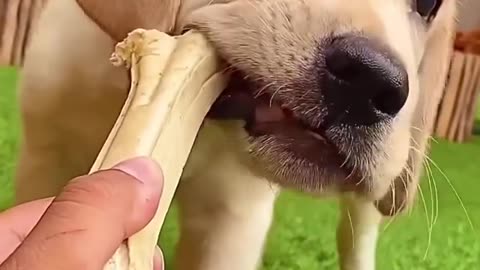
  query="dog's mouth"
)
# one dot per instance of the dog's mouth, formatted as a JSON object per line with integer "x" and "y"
{"x": 268, "y": 121}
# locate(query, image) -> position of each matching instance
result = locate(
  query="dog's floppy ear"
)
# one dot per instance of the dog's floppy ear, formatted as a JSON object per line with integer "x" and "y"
{"x": 119, "y": 17}
{"x": 432, "y": 75}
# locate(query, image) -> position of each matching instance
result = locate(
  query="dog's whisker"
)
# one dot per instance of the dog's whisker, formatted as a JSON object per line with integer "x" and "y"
{"x": 273, "y": 95}
{"x": 429, "y": 228}
{"x": 347, "y": 156}
{"x": 391, "y": 210}
{"x": 429, "y": 137}
{"x": 431, "y": 183}
{"x": 392, "y": 207}
{"x": 260, "y": 91}
{"x": 432, "y": 196}
{"x": 352, "y": 230}
{"x": 429, "y": 217}
{"x": 449, "y": 182}
{"x": 407, "y": 195}
{"x": 434, "y": 211}
{"x": 434, "y": 192}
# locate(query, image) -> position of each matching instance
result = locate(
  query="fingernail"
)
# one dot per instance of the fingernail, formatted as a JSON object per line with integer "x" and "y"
{"x": 144, "y": 169}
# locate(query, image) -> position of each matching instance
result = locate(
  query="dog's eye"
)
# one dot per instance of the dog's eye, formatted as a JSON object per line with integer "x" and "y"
{"x": 427, "y": 8}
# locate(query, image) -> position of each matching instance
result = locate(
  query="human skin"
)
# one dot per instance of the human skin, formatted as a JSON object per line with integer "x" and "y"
{"x": 81, "y": 228}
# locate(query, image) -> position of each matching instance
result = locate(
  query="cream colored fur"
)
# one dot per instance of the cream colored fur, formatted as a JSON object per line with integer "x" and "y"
{"x": 70, "y": 96}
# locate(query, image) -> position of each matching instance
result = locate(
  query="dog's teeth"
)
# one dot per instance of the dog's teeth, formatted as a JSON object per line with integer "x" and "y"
{"x": 316, "y": 136}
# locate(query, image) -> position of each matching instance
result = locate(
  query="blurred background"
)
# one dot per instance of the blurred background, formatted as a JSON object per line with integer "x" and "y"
{"x": 442, "y": 232}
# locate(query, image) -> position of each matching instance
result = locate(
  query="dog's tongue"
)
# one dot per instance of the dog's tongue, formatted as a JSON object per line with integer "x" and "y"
{"x": 261, "y": 115}
{"x": 265, "y": 112}
{"x": 238, "y": 102}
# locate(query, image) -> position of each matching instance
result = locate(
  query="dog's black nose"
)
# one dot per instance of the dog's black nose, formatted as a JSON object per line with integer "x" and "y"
{"x": 364, "y": 82}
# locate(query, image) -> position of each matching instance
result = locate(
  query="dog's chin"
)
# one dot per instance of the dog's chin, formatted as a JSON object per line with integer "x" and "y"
{"x": 285, "y": 149}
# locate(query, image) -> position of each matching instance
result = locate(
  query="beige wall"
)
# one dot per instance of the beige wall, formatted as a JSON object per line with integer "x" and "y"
{"x": 469, "y": 14}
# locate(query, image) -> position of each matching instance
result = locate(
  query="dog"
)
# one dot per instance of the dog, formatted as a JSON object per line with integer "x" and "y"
{"x": 327, "y": 97}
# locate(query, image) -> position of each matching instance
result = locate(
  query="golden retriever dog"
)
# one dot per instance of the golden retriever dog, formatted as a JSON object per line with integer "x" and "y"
{"x": 327, "y": 97}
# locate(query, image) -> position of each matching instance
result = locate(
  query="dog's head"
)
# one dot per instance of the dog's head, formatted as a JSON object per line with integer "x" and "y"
{"x": 335, "y": 94}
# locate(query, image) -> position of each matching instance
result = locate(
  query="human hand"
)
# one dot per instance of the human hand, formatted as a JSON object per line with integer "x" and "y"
{"x": 81, "y": 228}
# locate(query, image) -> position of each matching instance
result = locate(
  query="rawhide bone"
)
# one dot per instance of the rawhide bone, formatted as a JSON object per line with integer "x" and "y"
{"x": 174, "y": 82}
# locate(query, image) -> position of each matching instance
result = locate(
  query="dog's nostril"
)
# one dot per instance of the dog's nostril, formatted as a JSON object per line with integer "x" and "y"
{"x": 389, "y": 102}
{"x": 341, "y": 64}
{"x": 364, "y": 78}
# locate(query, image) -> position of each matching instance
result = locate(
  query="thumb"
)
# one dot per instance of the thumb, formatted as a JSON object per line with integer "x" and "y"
{"x": 93, "y": 215}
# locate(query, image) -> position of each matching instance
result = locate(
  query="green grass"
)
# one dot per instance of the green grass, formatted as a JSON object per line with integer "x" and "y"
{"x": 8, "y": 133}
{"x": 303, "y": 234}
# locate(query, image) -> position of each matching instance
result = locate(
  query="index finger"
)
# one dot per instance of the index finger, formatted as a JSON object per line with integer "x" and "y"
{"x": 17, "y": 222}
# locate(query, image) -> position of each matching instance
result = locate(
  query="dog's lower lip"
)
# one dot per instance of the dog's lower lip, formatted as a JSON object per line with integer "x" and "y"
{"x": 268, "y": 112}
